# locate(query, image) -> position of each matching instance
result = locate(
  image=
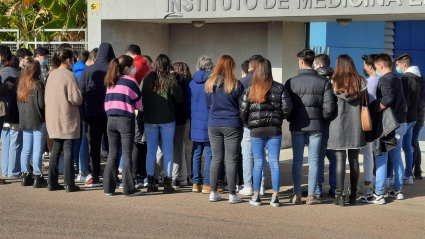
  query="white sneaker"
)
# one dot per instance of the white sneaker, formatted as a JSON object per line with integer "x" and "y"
{"x": 391, "y": 181}
{"x": 262, "y": 191}
{"x": 233, "y": 199}
{"x": 184, "y": 183}
{"x": 396, "y": 194}
{"x": 88, "y": 178}
{"x": 246, "y": 191}
{"x": 408, "y": 181}
{"x": 239, "y": 188}
{"x": 81, "y": 178}
{"x": 374, "y": 199}
{"x": 214, "y": 197}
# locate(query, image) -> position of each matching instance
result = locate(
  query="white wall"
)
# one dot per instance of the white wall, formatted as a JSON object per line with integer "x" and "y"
{"x": 151, "y": 37}
{"x": 239, "y": 40}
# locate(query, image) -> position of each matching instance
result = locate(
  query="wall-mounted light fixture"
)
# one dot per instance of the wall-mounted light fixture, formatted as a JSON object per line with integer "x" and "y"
{"x": 198, "y": 23}
{"x": 344, "y": 22}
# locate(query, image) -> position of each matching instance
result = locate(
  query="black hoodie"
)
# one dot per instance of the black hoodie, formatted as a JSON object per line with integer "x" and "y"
{"x": 92, "y": 84}
{"x": 325, "y": 71}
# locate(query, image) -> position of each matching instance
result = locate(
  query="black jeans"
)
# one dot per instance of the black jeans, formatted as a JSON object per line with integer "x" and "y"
{"x": 120, "y": 133}
{"x": 417, "y": 159}
{"x": 225, "y": 145}
{"x": 139, "y": 160}
{"x": 353, "y": 160}
{"x": 67, "y": 145}
{"x": 95, "y": 128}
{"x": 240, "y": 169}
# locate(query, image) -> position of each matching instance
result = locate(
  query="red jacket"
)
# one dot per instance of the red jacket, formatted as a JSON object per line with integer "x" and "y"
{"x": 142, "y": 68}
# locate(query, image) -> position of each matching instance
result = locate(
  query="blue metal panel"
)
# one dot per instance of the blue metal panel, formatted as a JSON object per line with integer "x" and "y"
{"x": 357, "y": 34}
{"x": 402, "y": 33}
{"x": 417, "y": 35}
{"x": 318, "y": 34}
{"x": 375, "y": 35}
{"x": 336, "y": 35}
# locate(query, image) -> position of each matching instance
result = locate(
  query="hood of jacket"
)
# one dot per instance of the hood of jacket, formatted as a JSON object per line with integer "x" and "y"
{"x": 201, "y": 77}
{"x": 414, "y": 70}
{"x": 325, "y": 71}
{"x": 79, "y": 66}
{"x": 349, "y": 99}
{"x": 105, "y": 52}
{"x": 9, "y": 74}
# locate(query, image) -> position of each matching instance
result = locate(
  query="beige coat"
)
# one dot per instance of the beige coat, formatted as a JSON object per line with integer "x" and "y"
{"x": 62, "y": 100}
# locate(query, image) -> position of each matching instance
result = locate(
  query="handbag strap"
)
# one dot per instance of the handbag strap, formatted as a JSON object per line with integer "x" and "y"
{"x": 365, "y": 99}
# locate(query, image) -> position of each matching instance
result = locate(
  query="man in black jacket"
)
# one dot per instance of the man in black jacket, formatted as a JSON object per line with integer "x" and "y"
{"x": 322, "y": 64}
{"x": 313, "y": 103}
{"x": 416, "y": 130}
{"x": 93, "y": 90}
{"x": 410, "y": 79}
{"x": 390, "y": 94}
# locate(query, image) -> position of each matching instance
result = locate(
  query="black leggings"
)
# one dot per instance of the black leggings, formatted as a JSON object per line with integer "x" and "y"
{"x": 353, "y": 159}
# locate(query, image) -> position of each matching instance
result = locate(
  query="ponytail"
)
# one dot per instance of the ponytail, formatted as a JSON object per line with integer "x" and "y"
{"x": 58, "y": 59}
{"x": 116, "y": 70}
{"x": 55, "y": 61}
{"x": 113, "y": 74}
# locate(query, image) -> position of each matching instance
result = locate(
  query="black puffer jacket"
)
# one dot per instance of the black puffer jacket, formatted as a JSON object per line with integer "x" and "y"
{"x": 313, "y": 100}
{"x": 265, "y": 119}
{"x": 421, "y": 113}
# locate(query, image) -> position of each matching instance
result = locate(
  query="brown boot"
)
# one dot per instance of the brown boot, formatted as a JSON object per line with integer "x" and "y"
{"x": 206, "y": 189}
{"x": 197, "y": 188}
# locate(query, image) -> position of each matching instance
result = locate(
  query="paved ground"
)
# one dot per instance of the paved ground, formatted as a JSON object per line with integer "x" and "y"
{"x": 37, "y": 213}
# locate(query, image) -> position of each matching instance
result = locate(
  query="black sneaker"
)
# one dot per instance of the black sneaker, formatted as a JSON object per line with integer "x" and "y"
{"x": 71, "y": 188}
{"x": 27, "y": 179}
{"x": 275, "y": 201}
{"x": 55, "y": 187}
{"x": 418, "y": 175}
{"x": 255, "y": 200}
{"x": 135, "y": 194}
{"x": 39, "y": 182}
{"x": 175, "y": 184}
{"x": 152, "y": 186}
{"x": 331, "y": 194}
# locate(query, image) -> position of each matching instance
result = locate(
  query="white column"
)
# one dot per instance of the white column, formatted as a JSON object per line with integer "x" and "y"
{"x": 94, "y": 28}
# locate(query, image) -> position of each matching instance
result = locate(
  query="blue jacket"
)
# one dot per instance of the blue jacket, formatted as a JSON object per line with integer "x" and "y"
{"x": 78, "y": 69}
{"x": 92, "y": 84}
{"x": 197, "y": 107}
{"x": 224, "y": 108}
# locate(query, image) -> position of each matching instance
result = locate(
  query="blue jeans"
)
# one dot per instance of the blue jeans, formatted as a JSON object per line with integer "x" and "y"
{"x": 81, "y": 151}
{"x": 33, "y": 147}
{"x": 313, "y": 140}
{"x": 260, "y": 163}
{"x": 408, "y": 148}
{"x": 382, "y": 161}
{"x": 197, "y": 150}
{"x": 248, "y": 160}
{"x": 11, "y": 152}
{"x": 153, "y": 131}
{"x": 330, "y": 154}
{"x": 416, "y": 149}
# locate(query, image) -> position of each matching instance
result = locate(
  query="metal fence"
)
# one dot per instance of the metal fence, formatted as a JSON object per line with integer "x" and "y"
{"x": 321, "y": 49}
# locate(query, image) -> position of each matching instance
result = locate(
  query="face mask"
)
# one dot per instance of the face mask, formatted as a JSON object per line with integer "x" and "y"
{"x": 399, "y": 71}
{"x": 378, "y": 73}
{"x": 133, "y": 71}
{"x": 365, "y": 72}
{"x": 43, "y": 63}
{"x": 299, "y": 65}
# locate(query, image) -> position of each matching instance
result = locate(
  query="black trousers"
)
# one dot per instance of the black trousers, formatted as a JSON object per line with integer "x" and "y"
{"x": 96, "y": 126}
{"x": 67, "y": 145}
{"x": 225, "y": 146}
{"x": 353, "y": 160}
{"x": 120, "y": 133}
{"x": 240, "y": 169}
{"x": 139, "y": 160}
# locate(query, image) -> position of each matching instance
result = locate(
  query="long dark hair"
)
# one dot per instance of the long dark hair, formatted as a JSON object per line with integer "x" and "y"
{"x": 346, "y": 79}
{"x": 30, "y": 74}
{"x": 162, "y": 68}
{"x": 261, "y": 81}
{"x": 116, "y": 70}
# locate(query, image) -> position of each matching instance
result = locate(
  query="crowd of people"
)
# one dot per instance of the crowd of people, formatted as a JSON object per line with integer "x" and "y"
{"x": 151, "y": 116}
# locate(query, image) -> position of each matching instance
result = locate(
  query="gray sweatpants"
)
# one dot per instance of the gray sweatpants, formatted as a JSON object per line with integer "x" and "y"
{"x": 225, "y": 145}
